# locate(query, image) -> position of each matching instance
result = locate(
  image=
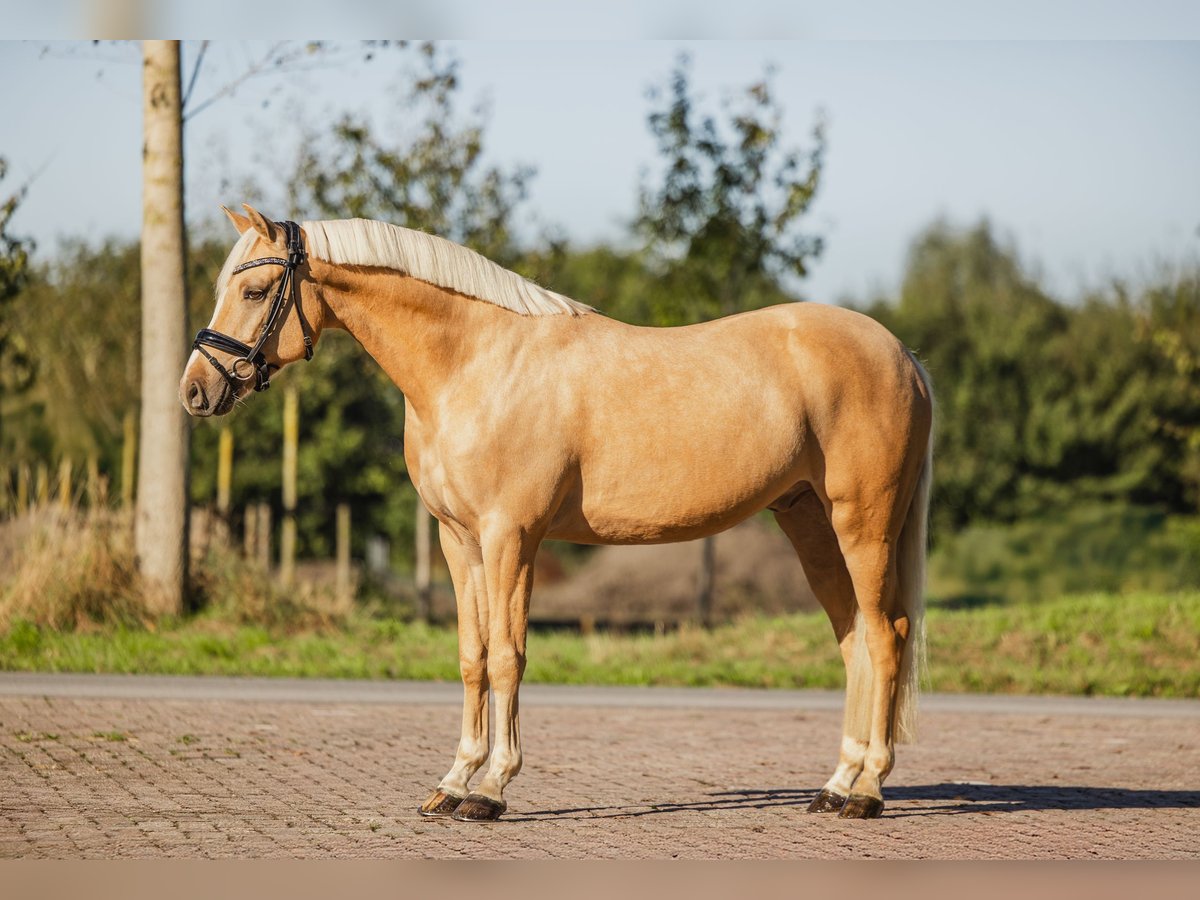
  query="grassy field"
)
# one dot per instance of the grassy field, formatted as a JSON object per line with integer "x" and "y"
{"x": 1113, "y": 644}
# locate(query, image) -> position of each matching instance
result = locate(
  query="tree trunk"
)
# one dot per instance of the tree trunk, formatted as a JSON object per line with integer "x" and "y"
{"x": 706, "y": 580}
{"x": 161, "y": 522}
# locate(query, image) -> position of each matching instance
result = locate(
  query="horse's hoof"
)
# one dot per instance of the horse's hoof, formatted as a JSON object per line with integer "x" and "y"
{"x": 826, "y": 801}
{"x": 860, "y": 806}
{"x": 440, "y": 804}
{"x": 478, "y": 808}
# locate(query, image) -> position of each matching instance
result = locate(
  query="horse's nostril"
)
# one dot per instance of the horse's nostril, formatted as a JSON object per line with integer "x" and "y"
{"x": 196, "y": 397}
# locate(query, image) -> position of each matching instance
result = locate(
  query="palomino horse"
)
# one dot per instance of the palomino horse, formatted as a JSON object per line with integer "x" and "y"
{"x": 530, "y": 416}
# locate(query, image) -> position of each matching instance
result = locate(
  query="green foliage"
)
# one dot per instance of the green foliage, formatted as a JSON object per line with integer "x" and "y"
{"x": 15, "y": 358}
{"x": 618, "y": 283}
{"x": 1043, "y": 404}
{"x": 1089, "y": 547}
{"x": 80, "y": 320}
{"x": 722, "y": 228}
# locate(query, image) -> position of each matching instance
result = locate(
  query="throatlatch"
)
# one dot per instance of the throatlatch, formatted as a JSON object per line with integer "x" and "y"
{"x": 250, "y": 361}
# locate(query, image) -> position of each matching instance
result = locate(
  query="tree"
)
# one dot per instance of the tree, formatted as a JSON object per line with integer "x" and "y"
{"x": 1044, "y": 405}
{"x": 1168, "y": 326}
{"x": 433, "y": 182}
{"x": 160, "y": 529}
{"x": 68, "y": 355}
{"x": 722, "y": 229}
{"x": 15, "y": 360}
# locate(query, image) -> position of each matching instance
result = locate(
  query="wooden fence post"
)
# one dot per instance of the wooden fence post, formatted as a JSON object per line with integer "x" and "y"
{"x": 249, "y": 531}
{"x": 291, "y": 438}
{"x": 64, "y": 485}
{"x": 224, "y": 483}
{"x": 224, "y": 470}
{"x": 343, "y": 551}
{"x": 128, "y": 458}
{"x": 423, "y": 573}
{"x": 93, "y": 481}
{"x": 263, "y": 550}
{"x": 42, "y": 487}
{"x": 22, "y": 489}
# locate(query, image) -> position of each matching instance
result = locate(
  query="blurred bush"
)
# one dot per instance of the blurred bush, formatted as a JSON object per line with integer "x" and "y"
{"x": 1093, "y": 547}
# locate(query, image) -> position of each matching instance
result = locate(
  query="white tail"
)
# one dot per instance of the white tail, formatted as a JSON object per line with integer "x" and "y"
{"x": 910, "y": 568}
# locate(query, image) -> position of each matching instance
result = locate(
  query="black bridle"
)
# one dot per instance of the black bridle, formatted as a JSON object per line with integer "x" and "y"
{"x": 250, "y": 361}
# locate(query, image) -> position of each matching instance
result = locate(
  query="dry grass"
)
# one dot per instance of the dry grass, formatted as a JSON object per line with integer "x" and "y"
{"x": 232, "y": 590}
{"x": 70, "y": 570}
{"x": 75, "y": 570}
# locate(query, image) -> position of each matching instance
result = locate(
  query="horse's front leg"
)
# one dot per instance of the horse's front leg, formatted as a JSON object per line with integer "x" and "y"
{"x": 508, "y": 569}
{"x": 466, "y": 571}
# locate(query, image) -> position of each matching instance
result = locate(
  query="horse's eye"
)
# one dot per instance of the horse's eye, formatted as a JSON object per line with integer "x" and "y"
{"x": 251, "y": 294}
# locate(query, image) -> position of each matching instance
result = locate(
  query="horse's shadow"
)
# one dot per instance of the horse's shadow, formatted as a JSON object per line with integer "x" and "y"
{"x": 929, "y": 800}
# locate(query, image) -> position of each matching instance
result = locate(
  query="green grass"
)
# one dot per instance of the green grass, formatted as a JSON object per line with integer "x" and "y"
{"x": 1115, "y": 644}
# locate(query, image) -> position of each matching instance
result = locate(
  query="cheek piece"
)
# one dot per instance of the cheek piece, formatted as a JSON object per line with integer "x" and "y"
{"x": 249, "y": 361}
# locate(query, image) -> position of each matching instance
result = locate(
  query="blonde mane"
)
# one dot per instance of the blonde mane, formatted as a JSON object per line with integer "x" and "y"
{"x": 365, "y": 242}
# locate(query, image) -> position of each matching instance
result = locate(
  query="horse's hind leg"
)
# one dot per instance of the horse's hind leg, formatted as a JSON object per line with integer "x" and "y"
{"x": 471, "y": 595}
{"x": 807, "y": 526}
{"x": 867, "y": 535}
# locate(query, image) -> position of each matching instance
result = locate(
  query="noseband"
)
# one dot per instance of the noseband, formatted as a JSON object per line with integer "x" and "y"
{"x": 250, "y": 361}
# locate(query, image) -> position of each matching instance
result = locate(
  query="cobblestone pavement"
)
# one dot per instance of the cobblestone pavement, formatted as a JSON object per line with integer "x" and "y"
{"x": 94, "y": 767}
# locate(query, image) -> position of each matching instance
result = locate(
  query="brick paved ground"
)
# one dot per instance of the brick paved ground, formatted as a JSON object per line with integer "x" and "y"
{"x": 135, "y": 777}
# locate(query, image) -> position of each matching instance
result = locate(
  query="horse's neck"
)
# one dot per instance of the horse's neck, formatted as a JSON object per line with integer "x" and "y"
{"x": 418, "y": 333}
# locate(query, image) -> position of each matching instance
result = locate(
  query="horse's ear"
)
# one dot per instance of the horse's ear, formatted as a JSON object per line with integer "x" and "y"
{"x": 261, "y": 223}
{"x": 240, "y": 222}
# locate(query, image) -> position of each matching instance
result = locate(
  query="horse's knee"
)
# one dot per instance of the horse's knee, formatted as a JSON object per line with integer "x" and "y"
{"x": 505, "y": 666}
{"x": 474, "y": 671}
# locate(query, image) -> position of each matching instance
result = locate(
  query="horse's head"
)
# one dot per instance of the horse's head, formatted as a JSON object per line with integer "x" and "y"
{"x": 267, "y": 315}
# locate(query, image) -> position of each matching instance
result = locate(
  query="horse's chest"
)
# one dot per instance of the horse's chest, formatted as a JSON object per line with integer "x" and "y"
{"x": 450, "y": 471}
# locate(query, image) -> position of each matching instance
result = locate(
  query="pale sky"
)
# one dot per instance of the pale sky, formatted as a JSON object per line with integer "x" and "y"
{"x": 1085, "y": 154}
